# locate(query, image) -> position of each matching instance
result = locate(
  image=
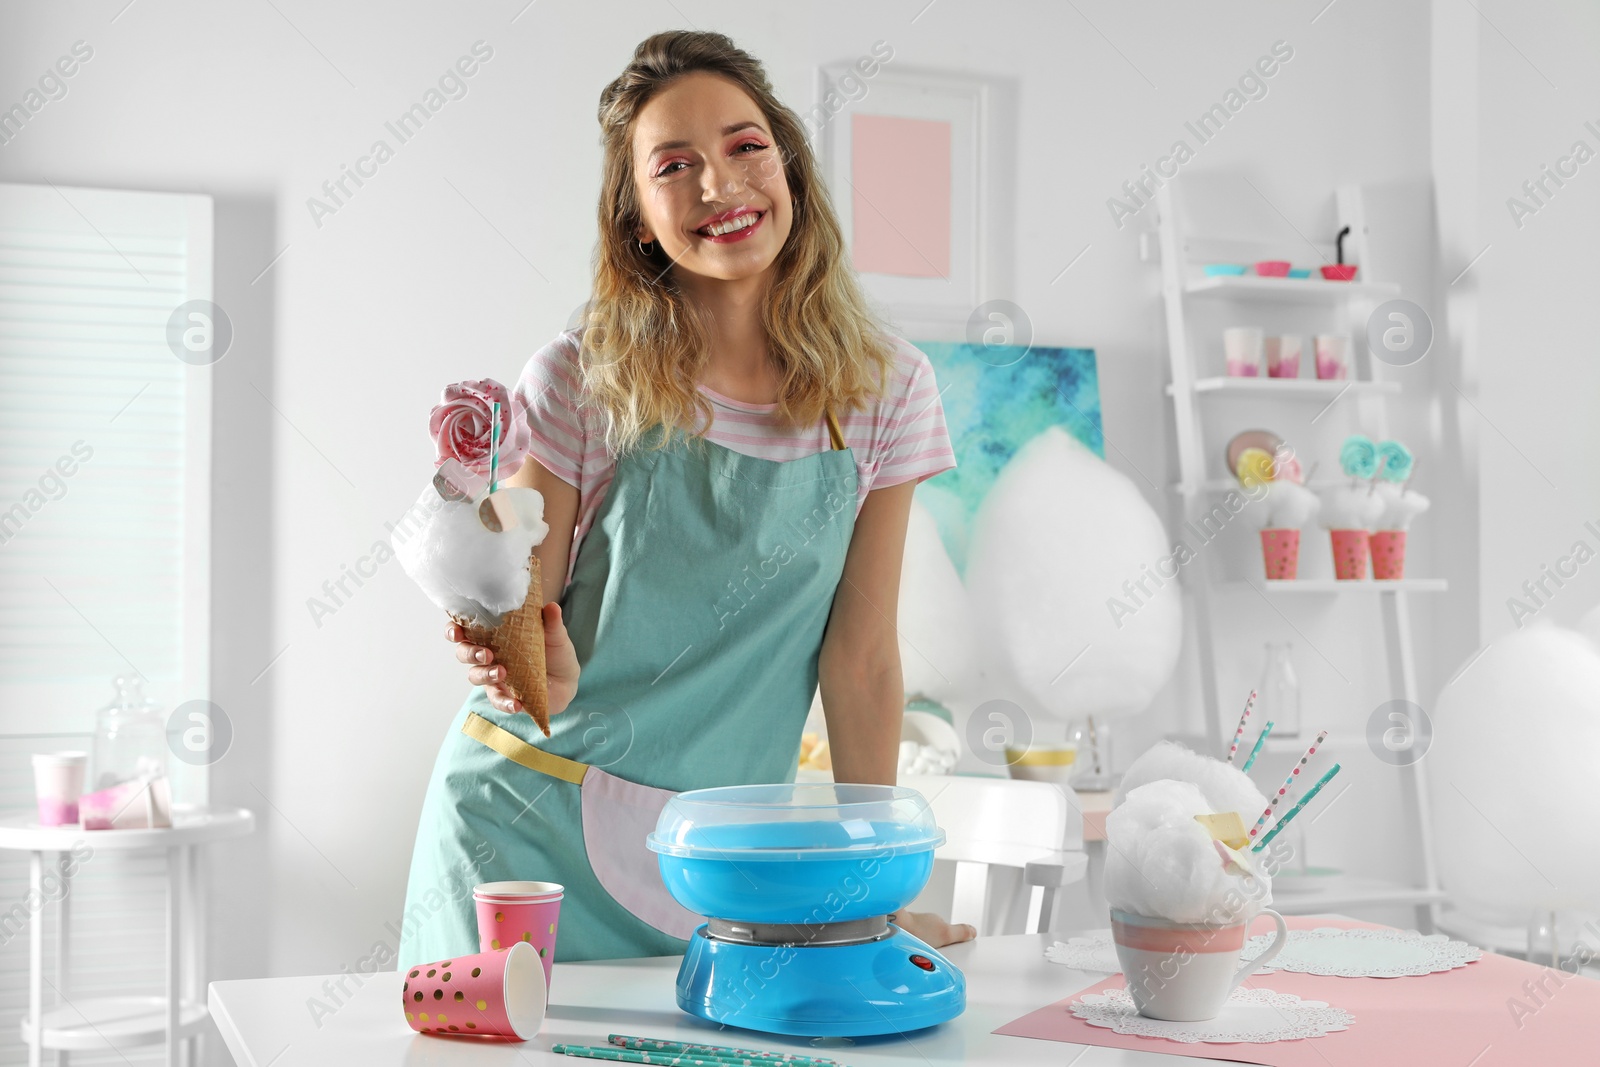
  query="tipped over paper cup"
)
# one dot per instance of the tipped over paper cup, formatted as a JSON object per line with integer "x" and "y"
{"x": 490, "y": 994}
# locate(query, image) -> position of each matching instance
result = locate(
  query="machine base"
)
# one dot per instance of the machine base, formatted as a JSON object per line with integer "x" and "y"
{"x": 889, "y": 986}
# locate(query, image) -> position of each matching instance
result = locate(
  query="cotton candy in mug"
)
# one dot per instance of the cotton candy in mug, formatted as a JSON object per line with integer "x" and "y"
{"x": 493, "y": 994}
{"x": 1185, "y": 972}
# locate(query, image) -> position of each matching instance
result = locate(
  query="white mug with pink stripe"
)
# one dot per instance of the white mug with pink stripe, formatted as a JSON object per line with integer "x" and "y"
{"x": 1184, "y": 972}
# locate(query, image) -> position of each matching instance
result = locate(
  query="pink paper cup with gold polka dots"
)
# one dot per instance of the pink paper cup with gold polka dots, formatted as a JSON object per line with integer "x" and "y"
{"x": 519, "y": 912}
{"x": 490, "y": 994}
{"x": 1349, "y": 554}
{"x": 1389, "y": 554}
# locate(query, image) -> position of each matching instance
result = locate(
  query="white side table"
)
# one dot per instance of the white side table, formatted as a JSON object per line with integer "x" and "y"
{"x": 123, "y": 1022}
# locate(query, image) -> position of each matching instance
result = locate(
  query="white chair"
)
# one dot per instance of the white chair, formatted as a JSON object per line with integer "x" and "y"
{"x": 1034, "y": 829}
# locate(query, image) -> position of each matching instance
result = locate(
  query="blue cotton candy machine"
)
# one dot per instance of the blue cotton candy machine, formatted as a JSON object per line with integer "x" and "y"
{"x": 797, "y": 882}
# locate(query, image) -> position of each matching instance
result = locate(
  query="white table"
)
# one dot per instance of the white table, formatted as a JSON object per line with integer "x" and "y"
{"x": 86, "y": 1023}
{"x": 267, "y": 1021}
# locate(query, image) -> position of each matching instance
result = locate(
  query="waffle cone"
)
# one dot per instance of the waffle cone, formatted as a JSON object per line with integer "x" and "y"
{"x": 518, "y": 643}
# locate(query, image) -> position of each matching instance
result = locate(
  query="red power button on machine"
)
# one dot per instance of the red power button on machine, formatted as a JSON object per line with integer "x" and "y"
{"x": 922, "y": 961}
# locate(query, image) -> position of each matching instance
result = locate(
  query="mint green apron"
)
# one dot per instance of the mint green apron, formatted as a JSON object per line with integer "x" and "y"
{"x": 697, "y": 607}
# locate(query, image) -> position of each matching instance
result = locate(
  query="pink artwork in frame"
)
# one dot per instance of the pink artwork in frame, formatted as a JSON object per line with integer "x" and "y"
{"x": 900, "y": 196}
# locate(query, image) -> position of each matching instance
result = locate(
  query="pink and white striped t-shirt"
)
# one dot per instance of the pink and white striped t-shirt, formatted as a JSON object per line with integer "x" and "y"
{"x": 900, "y": 437}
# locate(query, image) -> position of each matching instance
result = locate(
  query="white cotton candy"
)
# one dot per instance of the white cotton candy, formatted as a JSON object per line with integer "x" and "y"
{"x": 1058, "y": 533}
{"x": 1224, "y": 786}
{"x": 938, "y": 649}
{"x": 1512, "y": 776}
{"x": 1351, "y": 507}
{"x": 1399, "y": 506}
{"x": 1160, "y": 862}
{"x": 1291, "y": 505}
{"x": 917, "y": 758}
{"x": 465, "y": 568}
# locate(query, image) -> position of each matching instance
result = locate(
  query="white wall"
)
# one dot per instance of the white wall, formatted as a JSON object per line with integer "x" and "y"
{"x": 1537, "y": 382}
{"x": 471, "y": 247}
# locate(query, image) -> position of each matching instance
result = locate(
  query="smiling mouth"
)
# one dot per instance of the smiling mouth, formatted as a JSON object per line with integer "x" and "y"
{"x": 733, "y": 225}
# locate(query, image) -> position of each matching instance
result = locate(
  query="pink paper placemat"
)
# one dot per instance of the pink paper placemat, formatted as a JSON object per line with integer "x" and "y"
{"x": 1490, "y": 1013}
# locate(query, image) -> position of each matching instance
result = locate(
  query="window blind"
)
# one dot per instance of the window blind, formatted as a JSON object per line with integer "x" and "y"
{"x": 104, "y": 535}
{"x": 104, "y": 445}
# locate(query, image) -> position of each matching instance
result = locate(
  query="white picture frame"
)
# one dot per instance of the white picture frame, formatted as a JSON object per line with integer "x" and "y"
{"x": 931, "y": 307}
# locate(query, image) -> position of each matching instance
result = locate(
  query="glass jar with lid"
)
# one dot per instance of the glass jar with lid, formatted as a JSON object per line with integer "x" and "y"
{"x": 130, "y": 737}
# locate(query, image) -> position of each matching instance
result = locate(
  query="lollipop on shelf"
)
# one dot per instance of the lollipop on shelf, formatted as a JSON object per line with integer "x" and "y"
{"x": 1399, "y": 506}
{"x": 1265, "y": 465}
{"x": 1394, "y": 461}
{"x": 469, "y": 542}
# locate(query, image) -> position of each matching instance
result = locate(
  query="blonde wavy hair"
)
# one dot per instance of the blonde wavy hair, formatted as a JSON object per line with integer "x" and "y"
{"x": 644, "y": 345}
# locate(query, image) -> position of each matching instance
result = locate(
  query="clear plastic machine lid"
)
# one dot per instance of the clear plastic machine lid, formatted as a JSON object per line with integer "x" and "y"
{"x": 797, "y": 820}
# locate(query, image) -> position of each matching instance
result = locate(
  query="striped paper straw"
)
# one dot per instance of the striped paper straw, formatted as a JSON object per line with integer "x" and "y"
{"x": 1287, "y": 783}
{"x": 1254, "y": 752}
{"x": 1292, "y": 812}
{"x": 494, "y": 444}
{"x": 761, "y": 1056}
{"x": 1248, "y": 704}
{"x": 634, "y": 1055}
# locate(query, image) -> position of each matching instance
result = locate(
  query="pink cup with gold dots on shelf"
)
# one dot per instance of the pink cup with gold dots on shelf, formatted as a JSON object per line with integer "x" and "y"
{"x": 1389, "y": 554}
{"x": 512, "y": 912}
{"x": 488, "y": 994}
{"x": 1349, "y": 554}
{"x": 1280, "y": 552}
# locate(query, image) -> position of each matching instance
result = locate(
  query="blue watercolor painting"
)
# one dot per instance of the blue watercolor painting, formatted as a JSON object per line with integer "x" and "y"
{"x": 996, "y": 399}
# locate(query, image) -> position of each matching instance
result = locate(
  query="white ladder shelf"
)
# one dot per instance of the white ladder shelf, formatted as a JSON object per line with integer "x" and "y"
{"x": 1186, "y": 290}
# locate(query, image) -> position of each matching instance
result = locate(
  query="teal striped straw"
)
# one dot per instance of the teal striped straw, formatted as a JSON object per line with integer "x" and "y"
{"x": 1254, "y": 752}
{"x": 1289, "y": 817}
{"x": 494, "y": 445}
{"x": 765, "y": 1058}
{"x": 662, "y": 1056}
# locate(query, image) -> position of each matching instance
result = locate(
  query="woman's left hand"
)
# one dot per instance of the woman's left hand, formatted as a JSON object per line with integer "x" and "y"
{"x": 932, "y": 929}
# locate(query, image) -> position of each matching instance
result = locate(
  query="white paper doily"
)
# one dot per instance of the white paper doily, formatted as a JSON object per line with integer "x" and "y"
{"x": 1366, "y": 953}
{"x": 1096, "y": 952}
{"x": 1255, "y": 1016}
{"x": 1091, "y": 952}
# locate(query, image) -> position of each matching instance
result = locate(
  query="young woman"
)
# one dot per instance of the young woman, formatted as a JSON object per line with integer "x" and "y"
{"x": 727, "y": 454}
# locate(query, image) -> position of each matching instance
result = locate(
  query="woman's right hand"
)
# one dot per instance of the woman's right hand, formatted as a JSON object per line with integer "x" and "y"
{"x": 560, "y": 660}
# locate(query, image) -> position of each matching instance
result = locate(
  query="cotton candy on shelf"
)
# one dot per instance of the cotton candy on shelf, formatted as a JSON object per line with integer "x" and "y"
{"x": 1400, "y": 506}
{"x": 1351, "y": 507}
{"x": 1162, "y": 863}
{"x": 467, "y": 569}
{"x": 1293, "y": 504}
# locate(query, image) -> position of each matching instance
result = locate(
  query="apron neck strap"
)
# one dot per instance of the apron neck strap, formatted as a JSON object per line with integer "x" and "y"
{"x": 834, "y": 433}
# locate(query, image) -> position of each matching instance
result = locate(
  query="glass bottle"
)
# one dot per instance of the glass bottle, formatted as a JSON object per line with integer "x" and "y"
{"x": 130, "y": 737}
{"x": 1278, "y": 699}
{"x": 1092, "y": 767}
